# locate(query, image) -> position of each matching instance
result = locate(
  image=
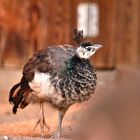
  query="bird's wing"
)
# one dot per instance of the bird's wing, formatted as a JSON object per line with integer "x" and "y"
{"x": 48, "y": 60}
{"x": 45, "y": 61}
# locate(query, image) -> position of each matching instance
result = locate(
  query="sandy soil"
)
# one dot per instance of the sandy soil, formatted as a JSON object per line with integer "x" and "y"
{"x": 111, "y": 114}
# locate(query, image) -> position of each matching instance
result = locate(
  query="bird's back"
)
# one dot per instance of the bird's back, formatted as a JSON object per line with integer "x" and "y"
{"x": 49, "y": 60}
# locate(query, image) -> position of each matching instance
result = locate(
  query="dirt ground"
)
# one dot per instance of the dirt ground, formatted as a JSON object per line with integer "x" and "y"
{"x": 113, "y": 112}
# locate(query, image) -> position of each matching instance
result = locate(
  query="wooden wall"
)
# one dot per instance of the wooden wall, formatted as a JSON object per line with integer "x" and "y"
{"x": 128, "y": 33}
{"x": 30, "y": 25}
{"x": 107, "y": 31}
{"x": 58, "y": 22}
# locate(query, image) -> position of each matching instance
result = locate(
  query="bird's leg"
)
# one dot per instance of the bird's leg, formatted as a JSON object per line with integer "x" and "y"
{"x": 61, "y": 114}
{"x": 60, "y": 118}
{"x": 41, "y": 120}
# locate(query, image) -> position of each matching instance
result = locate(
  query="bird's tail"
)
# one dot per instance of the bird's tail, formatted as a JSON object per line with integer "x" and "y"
{"x": 19, "y": 94}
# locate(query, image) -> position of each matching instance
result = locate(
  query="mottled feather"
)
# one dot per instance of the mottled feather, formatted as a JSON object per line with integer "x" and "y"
{"x": 49, "y": 60}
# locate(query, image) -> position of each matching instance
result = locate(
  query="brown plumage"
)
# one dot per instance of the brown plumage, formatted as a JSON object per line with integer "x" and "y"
{"x": 60, "y": 75}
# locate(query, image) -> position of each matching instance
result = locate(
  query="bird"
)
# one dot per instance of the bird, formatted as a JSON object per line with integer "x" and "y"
{"x": 60, "y": 75}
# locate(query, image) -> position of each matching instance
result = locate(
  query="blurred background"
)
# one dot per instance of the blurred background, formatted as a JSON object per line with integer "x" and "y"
{"x": 27, "y": 26}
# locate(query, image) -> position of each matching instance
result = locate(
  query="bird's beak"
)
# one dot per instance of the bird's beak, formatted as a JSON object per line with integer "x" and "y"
{"x": 98, "y": 46}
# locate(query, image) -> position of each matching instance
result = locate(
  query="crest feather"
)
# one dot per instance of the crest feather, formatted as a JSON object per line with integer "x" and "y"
{"x": 78, "y": 36}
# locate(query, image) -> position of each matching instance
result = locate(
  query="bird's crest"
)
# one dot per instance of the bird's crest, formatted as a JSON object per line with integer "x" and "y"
{"x": 78, "y": 36}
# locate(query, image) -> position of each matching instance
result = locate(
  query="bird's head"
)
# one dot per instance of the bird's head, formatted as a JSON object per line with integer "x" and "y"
{"x": 87, "y": 49}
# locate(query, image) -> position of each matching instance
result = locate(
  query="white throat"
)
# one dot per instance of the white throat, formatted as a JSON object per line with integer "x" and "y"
{"x": 83, "y": 53}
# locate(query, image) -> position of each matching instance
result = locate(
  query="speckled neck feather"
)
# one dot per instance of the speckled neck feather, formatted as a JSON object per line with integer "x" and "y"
{"x": 77, "y": 80}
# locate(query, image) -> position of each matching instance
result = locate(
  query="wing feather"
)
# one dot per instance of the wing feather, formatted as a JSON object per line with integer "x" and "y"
{"x": 48, "y": 60}
{"x": 45, "y": 61}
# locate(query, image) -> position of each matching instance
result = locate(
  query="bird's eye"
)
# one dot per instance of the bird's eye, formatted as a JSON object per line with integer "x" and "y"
{"x": 88, "y": 48}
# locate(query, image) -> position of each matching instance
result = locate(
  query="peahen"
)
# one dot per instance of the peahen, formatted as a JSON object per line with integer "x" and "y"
{"x": 61, "y": 75}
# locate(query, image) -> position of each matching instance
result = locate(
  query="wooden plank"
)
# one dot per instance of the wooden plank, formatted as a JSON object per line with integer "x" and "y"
{"x": 25, "y": 31}
{"x": 128, "y": 33}
{"x": 14, "y": 53}
{"x": 105, "y": 58}
{"x": 138, "y": 53}
{"x": 58, "y": 22}
{"x": 45, "y": 24}
{"x": 12, "y": 24}
{"x": 21, "y": 36}
{"x": 37, "y": 26}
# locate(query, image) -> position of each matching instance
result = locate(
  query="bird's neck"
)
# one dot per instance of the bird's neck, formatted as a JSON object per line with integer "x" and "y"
{"x": 72, "y": 64}
{"x": 73, "y": 61}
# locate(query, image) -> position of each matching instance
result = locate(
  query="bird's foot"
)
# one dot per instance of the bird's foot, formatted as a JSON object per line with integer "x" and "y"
{"x": 42, "y": 123}
{"x": 56, "y": 136}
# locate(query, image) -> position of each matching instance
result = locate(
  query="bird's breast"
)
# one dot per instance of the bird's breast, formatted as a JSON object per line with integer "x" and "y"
{"x": 77, "y": 84}
{"x": 42, "y": 86}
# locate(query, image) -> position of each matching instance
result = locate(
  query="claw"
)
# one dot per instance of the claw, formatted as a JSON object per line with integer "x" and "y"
{"x": 45, "y": 124}
{"x": 55, "y": 136}
{"x": 42, "y": 123}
